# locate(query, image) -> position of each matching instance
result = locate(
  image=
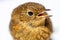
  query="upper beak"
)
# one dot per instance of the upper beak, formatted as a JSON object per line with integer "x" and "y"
{"x": 47, "y": 9}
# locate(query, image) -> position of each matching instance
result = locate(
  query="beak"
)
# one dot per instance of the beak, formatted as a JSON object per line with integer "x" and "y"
{"x": 42, "y": 14}
{"x": 47, "y": 9}
{"x": 48, "y": 16}
{"x": 44, "y": 11}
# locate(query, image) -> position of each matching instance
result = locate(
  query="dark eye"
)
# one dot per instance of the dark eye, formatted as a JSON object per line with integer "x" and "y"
{"x": 30, "y": 13}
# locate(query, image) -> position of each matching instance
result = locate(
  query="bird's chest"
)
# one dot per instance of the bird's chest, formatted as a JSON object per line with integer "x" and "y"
{"x": 26, "y": 32}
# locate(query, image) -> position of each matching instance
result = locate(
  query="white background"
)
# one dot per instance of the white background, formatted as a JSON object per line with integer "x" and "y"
{"x": 6, "y": 7}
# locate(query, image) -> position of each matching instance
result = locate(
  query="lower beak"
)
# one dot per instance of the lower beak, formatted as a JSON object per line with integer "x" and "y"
{"x": 48, "y": 16}
{"x": 44, "y": 15}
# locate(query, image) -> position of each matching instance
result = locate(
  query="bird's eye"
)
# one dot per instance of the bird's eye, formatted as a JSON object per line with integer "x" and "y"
{"x": 30, "y": 13}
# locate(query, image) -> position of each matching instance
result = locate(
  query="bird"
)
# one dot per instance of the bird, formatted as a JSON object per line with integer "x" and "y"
{"x": 30, "y": 21}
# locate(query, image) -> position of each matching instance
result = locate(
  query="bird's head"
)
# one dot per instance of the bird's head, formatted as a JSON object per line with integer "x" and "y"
{"x": 31, "y": 12}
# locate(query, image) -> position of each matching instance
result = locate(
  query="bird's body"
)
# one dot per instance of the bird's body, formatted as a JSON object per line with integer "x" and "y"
{"x": 27, "y": 23}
